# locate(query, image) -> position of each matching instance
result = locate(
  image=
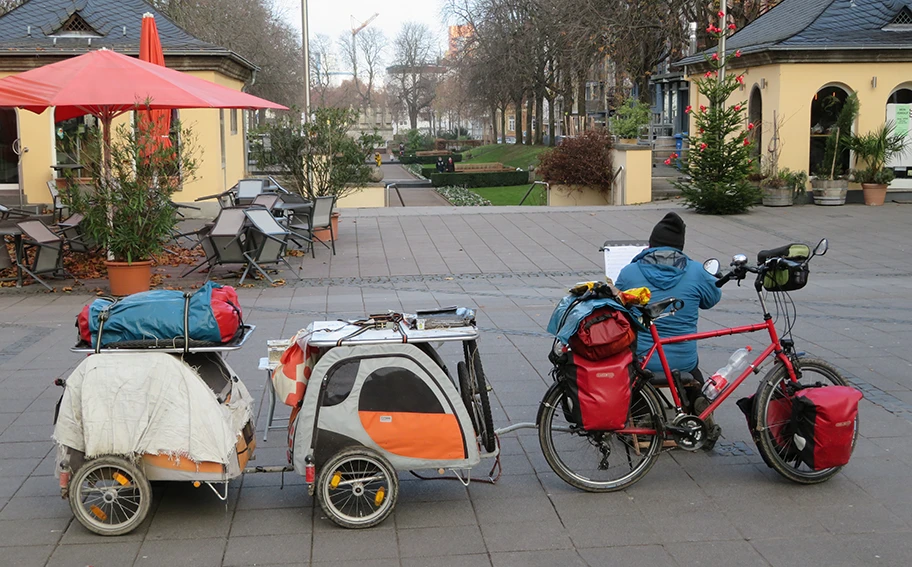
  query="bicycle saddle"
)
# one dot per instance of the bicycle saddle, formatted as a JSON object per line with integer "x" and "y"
{"x": 653, "y": 310}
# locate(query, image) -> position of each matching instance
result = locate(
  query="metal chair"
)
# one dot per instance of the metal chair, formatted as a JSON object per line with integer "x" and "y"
{"x": 265, "y": 200}
{"x": 48, "y": 251}
{"x": 248, "y": 190}
{"x": 73, "y": 234}
{"x": 320, "y": 218}
{"x": 59, "y": 207}
{"x": 224, "y": 242}
{"x": 268, "y": 241}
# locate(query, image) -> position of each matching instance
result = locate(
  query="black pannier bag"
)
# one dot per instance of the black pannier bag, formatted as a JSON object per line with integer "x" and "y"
{"x": 823, "y": 420}
{"x": 780, "y": 424}
{"x": 792, "y": 272}
{"x": 599, "y": 390}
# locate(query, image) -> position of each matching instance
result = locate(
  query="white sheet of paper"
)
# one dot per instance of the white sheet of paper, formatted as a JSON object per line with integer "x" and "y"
{"x": 619, "y": 253}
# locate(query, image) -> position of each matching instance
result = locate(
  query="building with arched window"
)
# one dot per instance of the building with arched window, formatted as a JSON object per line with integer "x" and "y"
{"x": 803, "y": 58}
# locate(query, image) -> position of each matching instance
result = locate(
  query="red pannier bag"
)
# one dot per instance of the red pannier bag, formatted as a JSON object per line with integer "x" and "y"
{"x": 823, "y": 421}
{"x": 603, "y": 333}
{"x": 602, "y": 388}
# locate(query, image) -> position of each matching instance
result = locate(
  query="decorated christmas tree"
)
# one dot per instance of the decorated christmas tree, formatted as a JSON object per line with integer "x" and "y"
{"x": 718, "y": 160}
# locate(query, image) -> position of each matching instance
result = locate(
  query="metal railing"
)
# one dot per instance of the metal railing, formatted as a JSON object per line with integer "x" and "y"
{"x": 532, "y": 188}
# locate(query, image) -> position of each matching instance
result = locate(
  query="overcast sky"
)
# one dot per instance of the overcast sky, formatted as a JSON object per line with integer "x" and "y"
{"x": 333, "y": 17}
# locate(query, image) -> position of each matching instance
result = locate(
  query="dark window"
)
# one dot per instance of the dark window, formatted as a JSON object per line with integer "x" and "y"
{"x": 341, "y": 378}
{"x": 396, "y": 389}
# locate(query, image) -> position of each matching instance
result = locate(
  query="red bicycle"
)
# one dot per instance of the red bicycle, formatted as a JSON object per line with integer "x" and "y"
{"x": 605, "y": 461}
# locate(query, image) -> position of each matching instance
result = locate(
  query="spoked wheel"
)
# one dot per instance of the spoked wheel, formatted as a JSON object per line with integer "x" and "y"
{"x": 773, "y": 411}
{"x": 357, "y": 488}
{"x": 475, "y": 396}
{"x": 110, "y": 496}
{"x": 599, "y": 461}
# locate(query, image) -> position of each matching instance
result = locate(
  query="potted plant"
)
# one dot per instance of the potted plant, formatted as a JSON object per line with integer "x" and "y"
{"x": 875, "y": 148}
{"x": 580, "y": 171}
{"x": 129, "y": 212}
{"x": 630, "y": 118}
{"x": 319, "y": 158}
{"x": 829, "y": 182}
{"x": 783, "y": 188}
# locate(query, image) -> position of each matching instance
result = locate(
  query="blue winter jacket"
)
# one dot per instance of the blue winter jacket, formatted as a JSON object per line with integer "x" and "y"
{"x": 668, "y": 272}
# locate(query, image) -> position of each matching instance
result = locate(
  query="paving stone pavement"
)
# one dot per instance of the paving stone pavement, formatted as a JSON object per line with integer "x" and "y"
{"x": 720, "y": 508}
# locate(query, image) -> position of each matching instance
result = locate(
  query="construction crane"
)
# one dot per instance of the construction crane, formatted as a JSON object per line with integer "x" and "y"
{"x": 355, "y": 27}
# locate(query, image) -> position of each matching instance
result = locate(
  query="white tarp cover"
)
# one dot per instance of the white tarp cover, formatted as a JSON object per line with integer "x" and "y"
{"x": 135, "y": 403}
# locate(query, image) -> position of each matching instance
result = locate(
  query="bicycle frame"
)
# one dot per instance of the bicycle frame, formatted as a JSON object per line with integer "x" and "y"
{"x": 773, "y": 348}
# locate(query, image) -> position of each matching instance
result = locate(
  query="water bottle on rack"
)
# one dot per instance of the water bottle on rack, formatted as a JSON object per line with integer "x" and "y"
{"x": 719, "y": 380}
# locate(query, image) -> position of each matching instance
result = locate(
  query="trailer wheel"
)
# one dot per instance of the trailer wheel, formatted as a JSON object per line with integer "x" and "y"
{"x": 357, "y": 488}
{"x": 110, "y": 496}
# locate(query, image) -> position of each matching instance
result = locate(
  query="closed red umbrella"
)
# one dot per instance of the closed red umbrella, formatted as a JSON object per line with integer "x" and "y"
{"x": 150, "y": 50}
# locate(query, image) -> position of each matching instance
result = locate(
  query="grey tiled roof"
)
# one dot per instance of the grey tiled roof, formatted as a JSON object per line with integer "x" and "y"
{"x": 796, "y": 25}
{"x": 118, "y": 21}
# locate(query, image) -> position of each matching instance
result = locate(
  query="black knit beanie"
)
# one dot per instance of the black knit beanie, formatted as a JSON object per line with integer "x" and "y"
{"x": 668, "y": 232}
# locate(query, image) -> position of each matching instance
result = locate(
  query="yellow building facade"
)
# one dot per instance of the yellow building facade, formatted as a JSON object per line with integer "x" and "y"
{"x": 800, "y": 56}
{"x": 30, "y": 143}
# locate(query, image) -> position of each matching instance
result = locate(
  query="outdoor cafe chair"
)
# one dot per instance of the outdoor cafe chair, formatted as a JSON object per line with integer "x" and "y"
{"x": 224, "y": 243}
{"x": 320, "y": 217}
{"x": 72, "y": 230}
{"x": 265, "y": 200}
{"x": 58, "y": 206}
{"x": 248, "y": 190}
{"x": 268, "y": 242}
{"x": 47, "y": 247}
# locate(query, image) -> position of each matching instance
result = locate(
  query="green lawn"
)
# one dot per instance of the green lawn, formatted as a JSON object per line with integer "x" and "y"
{"x": 512, "y": 195}
{"x": 510, "y": 155}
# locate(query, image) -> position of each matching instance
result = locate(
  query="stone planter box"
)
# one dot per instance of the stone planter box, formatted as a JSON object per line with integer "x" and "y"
{"x": 577, "y": 196}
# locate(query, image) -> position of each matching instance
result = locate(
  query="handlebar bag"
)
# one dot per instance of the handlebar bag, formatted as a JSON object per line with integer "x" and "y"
{"x": 603, "y": 333}
{"x": 599, "y": 390}
{"x": 791, "y": 273}
{"x": 824, "y": 425}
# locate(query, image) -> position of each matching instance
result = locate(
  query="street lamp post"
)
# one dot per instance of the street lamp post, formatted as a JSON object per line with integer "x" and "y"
{"x": 305, "y": 36}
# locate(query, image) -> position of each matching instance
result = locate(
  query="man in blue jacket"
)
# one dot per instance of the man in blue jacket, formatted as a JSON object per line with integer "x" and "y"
{"x": 668, "y": 272}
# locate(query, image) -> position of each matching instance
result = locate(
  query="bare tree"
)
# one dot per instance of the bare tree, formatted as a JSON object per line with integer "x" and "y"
{"x": 322, "y": 66}
{"x": 255, "y": 30}
{"x": 372, "y": 43}
{"x": 415, "y": 72}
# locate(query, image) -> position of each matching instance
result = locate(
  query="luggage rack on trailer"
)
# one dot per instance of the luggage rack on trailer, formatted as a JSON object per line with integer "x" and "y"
{"x": 174, "y": 346}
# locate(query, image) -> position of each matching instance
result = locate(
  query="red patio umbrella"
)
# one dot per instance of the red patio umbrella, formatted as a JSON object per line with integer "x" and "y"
{"x": 150, "y": 50}
{"x": 106, "y": 84}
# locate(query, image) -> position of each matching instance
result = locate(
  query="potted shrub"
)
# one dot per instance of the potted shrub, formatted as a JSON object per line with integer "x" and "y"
{"x": 129, "y": 212}
{"x": 319, "y": 158}
{"x": 581, "y": 168}
{"x": 783, "y": 188}
{"x": 875, "y": 148}
{"x": 630, "y": 118}
{"x": 829, "y": 183}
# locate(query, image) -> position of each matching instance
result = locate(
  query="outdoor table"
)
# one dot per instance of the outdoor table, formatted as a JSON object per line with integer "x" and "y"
{"x": 63, "y": 167}
{"x": 16, "y": 233}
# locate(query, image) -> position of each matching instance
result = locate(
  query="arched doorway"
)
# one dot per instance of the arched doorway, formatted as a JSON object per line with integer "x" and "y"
{"x": 825, "y": 108}
{"x": 755, "y": 116}
{"x": 899, "y": 113}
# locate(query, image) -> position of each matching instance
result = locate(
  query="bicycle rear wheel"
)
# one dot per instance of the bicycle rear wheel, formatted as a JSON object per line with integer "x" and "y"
{"x": 779, "y": 450}
{"x": 599, "y": 461}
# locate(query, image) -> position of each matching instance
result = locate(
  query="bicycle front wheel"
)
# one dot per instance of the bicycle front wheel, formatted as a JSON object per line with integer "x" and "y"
{"x": 599, "y": 461}
{"x": 778, "y": 448}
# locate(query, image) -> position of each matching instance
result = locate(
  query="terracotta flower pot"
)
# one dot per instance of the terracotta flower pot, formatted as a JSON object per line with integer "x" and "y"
{"x": 126, "y": 278}
{"x": 323, "y": 233}
{"x": 874, "y": 193}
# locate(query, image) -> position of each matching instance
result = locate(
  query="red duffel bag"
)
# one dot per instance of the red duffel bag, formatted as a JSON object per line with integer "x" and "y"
{"x": 603, "y": 333}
